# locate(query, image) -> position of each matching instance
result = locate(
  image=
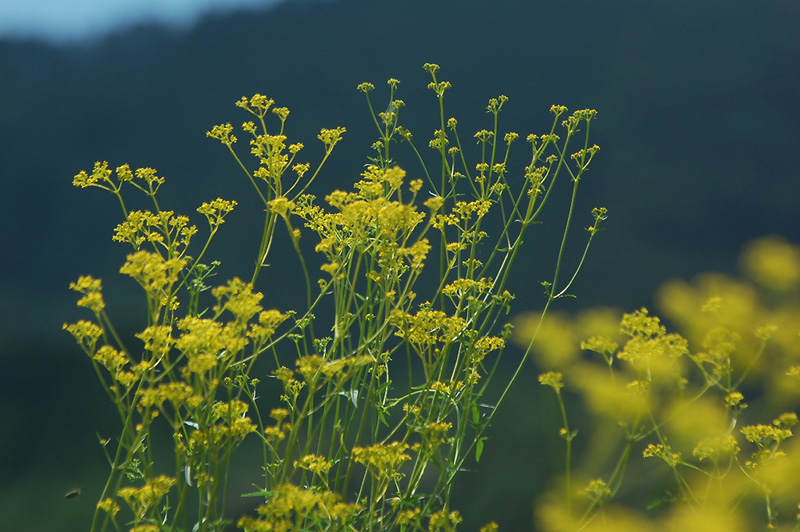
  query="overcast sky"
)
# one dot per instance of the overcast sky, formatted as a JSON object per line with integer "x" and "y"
{"x": 68, "y": 20}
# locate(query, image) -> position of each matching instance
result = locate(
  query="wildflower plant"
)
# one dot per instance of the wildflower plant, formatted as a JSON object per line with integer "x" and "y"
{"x": 690, "y": 431}
{"x": 376, "y": 394}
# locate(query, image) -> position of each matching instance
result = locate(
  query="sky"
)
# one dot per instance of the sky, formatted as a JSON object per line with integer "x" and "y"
{"x": 59, "y": 21}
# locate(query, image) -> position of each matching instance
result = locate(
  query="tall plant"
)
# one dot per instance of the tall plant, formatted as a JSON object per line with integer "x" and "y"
{"x": 382, "y": 379}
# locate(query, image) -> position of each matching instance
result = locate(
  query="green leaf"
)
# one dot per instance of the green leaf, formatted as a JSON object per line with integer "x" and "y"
{"x": 479, "y": 449}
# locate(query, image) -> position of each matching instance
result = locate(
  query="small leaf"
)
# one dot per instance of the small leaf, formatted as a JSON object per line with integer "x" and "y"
{"x": 479, "y": 449}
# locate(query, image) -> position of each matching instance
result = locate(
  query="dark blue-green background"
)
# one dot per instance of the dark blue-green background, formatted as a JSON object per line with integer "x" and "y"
{"x": 698, "y": 108}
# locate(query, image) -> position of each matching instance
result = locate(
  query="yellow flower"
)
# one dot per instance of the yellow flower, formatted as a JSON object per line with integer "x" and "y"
{"x": 215, "y": 211}
{"x": 444, "y": 521}
{"x": 383, "y": 460}
{"x": 91, "y": 289}
{"x": 315, "y": 464}
{"x": 238, "y": 298}
{"x": 142, "y": 499}
{"x": 152, "y": 272}
{"x": 110, "y": 358}
{"x": 773, "y": 263}
{"x": 553, "y": 379}
{"x": 223, "y": 133}
{"x": 409, "y": 517}
{"x": 100, "y": 174}
{"x": 85, "y": 333}
{"x": 157, "y": 338}
{"x": 109, "y": 506}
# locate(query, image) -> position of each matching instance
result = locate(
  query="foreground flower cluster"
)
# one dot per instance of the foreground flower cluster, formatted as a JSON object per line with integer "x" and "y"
{"x": 368, "y": 401}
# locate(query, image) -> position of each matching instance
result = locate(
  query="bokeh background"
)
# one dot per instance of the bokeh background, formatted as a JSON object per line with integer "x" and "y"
{"x": 698, "y": 109}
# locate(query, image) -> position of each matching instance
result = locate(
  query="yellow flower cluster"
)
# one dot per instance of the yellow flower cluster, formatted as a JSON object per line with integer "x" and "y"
{"x": 157, "y": 339}
{"x": 173, "y": 233}
{"x": 179, "y": 394}
{"x": 291, "y": 385}
{"x": 101, "y": 178}
{"x": 368, "y": 221}
{"x": 153, "y": 273}
{"x": 682, "y": 396}
{"x": 467, "y": 287}
{"x": 85, "y": 333}
{"x": 383, "y": 460}
{"x": 145, "y": 499}
{"x": 433, "y": 434}
{"x": 316, "y": 464}
{"x": 91, "y": 289}
{"x": 486, "y": 345}
{"x": 427, "y": 328}
{"x": 220, "y": 435}
{"x": 294, "y": 508}
{"x": 238, "y": 298}
{"x": 215, "y": 212}
{"x": 444, "y": 521}
{"x": 203, "y": 341}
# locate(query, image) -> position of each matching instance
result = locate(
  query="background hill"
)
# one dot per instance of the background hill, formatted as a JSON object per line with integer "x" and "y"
{"x": 698, "y": 106}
